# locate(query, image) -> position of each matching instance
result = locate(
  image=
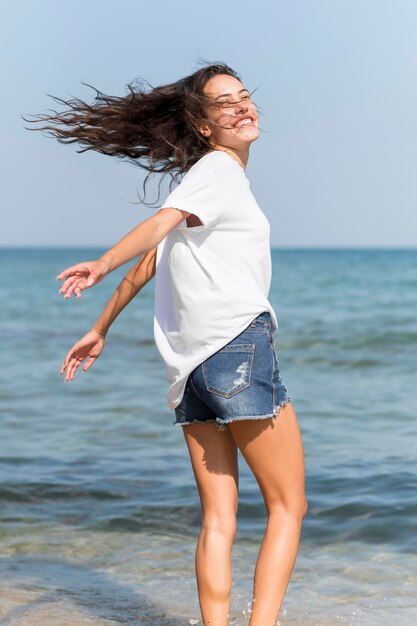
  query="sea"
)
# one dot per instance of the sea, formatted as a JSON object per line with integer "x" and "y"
{"x": 99, "y": 511}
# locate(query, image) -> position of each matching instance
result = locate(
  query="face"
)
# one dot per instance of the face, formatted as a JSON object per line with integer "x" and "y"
{"x": 233, "y": 118}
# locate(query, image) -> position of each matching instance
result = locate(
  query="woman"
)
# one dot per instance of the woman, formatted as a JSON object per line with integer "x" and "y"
{"x": 208, "y": 246}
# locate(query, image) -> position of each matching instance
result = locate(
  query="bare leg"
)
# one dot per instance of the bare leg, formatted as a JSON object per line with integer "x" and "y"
{"x": 214, "y": 460}
{"x": 273, "y": 450}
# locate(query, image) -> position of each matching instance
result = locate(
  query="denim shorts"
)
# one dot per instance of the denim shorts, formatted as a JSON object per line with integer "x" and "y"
{"x": 239, "y": 381}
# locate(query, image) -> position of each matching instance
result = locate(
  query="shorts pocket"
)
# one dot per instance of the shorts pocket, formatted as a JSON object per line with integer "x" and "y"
{"x": 228, "y": 371}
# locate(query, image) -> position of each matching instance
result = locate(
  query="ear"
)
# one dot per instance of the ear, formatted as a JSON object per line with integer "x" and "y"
{"x": 204, "y": 130}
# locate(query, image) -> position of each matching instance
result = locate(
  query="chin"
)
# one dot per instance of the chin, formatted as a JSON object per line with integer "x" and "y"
{"x": 238, "y": 140}
{"x": 252, "y": 134}
{"x": 253, "y": 138}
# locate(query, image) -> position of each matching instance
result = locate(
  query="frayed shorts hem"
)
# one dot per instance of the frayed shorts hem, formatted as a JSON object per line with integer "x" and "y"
{"x": 222, "y": 423}
{"x": 241, "y": 381}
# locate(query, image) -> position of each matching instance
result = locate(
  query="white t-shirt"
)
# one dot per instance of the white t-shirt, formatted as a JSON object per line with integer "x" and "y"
{"x": 211, "y": 280}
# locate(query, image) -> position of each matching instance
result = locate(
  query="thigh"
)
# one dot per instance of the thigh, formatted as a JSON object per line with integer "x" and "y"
{"x": 213, "y": 454}
{"x": 274, "y": 452}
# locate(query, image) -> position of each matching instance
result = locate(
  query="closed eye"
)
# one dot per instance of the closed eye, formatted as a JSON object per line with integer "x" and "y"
{"x": 228, "y": 103}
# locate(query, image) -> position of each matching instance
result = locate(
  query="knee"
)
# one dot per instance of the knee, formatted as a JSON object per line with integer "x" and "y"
{"x": 224, "y": 524}
{"x": 295, "y": 507}
{"x": 298, "y": 509}
{"x": 305, "y": 507}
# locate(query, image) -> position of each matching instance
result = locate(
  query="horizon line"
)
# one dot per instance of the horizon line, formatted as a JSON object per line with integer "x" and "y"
{"x": 294, "y": 247}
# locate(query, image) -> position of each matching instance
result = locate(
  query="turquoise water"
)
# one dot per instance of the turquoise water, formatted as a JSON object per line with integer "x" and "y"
{"x": 99, "y": 510}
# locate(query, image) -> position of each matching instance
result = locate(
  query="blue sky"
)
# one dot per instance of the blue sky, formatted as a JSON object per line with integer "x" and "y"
{"x": 334, "y": 166}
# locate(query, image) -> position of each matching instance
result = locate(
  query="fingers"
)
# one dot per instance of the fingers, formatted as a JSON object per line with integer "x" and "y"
{"x": 89, "y": 363}
{"x": 87, "y": 349}
{"x": 74, "y": 285}
{"x": 75, "y": 270}
{"x": 68, "y": 367}
{"x": 72, "y": 363}
{"x": 82, "y": 276}
{"x": 66, "y": 361}
{"x": 72, "y": 368}
{"x": 71, "y": 283}
{"x": 77, "y": 279}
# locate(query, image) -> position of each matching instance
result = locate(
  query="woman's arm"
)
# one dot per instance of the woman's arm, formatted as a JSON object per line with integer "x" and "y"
{"x": 128, "y": 288}
{"x": 92, "y": 343}
{"x": 147, "y": 235}
{"x": 142, "y": 238}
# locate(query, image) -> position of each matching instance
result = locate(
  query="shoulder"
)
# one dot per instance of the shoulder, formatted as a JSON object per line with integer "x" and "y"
{"x": 209, "y": 174}
{"x": 216, "y": 162}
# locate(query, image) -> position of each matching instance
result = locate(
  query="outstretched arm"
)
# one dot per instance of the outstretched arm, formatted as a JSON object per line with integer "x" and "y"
{"x": 92, "y": 343}
{"x": 128, "y": 288}
{"x": 147, "y": 235}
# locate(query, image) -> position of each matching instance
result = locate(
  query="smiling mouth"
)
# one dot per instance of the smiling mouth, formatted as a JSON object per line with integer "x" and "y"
{"x": 246, "y": 121}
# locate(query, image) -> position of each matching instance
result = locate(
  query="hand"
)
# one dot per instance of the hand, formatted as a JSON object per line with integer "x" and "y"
{"x": 82, "y": 276}
{"x": 91, "y": 345}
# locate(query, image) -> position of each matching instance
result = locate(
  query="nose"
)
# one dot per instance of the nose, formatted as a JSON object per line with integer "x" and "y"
{"x": 241, "y": 106}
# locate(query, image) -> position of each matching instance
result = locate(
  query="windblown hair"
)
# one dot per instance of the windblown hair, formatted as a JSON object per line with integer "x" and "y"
{"x": 154, "y": 129}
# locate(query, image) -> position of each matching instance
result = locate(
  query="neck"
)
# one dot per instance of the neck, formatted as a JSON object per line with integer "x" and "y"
{"x": 241, "y": 156}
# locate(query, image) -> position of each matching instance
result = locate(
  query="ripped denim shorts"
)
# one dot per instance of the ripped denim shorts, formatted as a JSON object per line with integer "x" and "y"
{"x": 239, "y": 381}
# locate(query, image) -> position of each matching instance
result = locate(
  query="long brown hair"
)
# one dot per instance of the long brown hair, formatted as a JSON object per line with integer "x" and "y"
{"x": 154, "y": 129}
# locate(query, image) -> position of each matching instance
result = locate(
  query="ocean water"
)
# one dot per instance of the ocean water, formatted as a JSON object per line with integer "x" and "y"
{"x": 99, "y": 512}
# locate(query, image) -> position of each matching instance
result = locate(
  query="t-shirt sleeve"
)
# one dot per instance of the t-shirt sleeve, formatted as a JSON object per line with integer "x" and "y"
{"x": 197, "y": 193}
